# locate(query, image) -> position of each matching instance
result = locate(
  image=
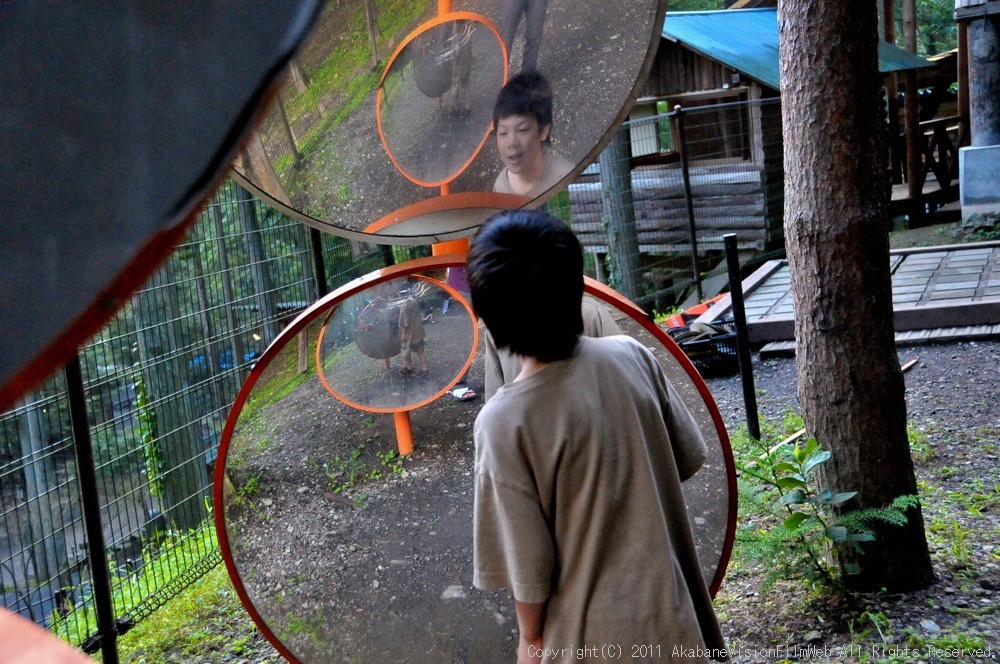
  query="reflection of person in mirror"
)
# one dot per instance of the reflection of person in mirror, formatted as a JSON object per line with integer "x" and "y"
{"x": 522, "y": 121}
{"x": 578, "y": 507}
{"x": 411, "y": 330}
{"x": 534, "y": 15}
{"x": 461, "y": 67}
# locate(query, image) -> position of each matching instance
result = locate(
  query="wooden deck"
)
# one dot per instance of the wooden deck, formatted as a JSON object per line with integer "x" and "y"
{"x": 939, "y": 293}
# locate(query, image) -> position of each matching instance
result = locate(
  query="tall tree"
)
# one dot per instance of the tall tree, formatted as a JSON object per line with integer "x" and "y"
{"x": 176, "y": 446}
{"x": 618, "y": 212}
{"x": 836, "y": 227}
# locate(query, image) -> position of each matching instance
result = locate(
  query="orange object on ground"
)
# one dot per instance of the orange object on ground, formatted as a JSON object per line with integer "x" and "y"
{"x": 688, "y": 315}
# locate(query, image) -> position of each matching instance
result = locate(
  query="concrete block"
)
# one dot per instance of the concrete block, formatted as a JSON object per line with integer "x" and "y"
{"x": 979, "y": 169}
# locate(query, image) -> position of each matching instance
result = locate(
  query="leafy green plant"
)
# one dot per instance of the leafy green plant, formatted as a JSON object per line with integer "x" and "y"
{"x": 660, "y": 317}
{"x": 799, "y": 533}
{"x": 346, "y": 472}
{"x": 920, "y": 446}
{"x": 392, "y": 460}
{"x": 149, "y": 437}
{"x": 859, "y": 629}
{"x": 955, "y": 537}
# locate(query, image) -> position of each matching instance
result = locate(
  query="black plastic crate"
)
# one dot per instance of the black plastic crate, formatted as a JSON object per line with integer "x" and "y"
{"x": 713, "y": 353}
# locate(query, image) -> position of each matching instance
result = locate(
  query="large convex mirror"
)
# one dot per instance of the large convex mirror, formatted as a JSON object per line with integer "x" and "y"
{"x": 319, "y": 155}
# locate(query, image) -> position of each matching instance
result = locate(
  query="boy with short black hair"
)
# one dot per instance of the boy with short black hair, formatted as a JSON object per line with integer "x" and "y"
{"x": 522, "y": 122}
{"x": 578, "y": 505}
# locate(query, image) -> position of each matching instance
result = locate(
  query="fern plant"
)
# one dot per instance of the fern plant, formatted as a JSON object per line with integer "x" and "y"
{"x": 799, "y": 534}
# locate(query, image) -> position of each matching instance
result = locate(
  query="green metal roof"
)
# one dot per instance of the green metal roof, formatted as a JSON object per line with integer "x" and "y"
{"x": 747, "y": 41}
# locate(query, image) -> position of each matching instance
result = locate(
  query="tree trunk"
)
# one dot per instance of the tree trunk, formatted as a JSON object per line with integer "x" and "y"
{"x": 250, "y": 223}
{"x": 836, "y": 227}
{"x": 618, "y": 210}
{"x": 184, "y": 474}
{"x": 43, "y": 499}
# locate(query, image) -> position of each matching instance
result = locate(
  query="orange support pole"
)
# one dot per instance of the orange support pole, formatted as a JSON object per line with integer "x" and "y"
{"x": 460, "y": 246}
{"x": 404, "y": 433}
{"x": 444, "y": 7}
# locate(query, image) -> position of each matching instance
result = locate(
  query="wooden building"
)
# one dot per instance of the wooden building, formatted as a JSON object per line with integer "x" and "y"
{"x": 734, "y": 151}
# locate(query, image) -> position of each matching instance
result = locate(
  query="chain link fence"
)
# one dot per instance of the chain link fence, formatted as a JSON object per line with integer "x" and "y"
{"x": 157, "y": 385}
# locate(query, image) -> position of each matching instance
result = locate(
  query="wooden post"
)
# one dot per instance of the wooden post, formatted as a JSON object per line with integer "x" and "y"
{"x": 892, "y": 92}
{"x": 963, "y": 81}
{"x": 984, "y": 74}
{"x": 372, "y": 19}
{"x": 912, "y": 112}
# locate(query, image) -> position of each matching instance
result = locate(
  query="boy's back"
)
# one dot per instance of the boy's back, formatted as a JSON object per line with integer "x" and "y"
{"x": 578, "y": 503}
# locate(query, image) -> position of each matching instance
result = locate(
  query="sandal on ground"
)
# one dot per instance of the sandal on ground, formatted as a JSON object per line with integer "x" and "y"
{"x": 406, "y": 371}
{"x": 424, "y": 374}
{"x": 463, "y": 393}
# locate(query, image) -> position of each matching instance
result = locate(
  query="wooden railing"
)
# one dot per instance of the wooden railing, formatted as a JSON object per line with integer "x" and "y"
{"x": 939, "y": 143}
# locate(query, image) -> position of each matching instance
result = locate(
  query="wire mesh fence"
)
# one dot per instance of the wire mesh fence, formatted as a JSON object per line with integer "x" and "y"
{"x": 158, "y": 383}
{"x": 652, "y": 213}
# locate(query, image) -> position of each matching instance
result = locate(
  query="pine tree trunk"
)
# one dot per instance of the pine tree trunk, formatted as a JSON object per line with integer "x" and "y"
{"x": 836, "y": 227}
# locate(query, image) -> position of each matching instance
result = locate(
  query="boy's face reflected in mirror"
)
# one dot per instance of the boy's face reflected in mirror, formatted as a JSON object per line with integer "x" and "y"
{"x": 519, "y": 141}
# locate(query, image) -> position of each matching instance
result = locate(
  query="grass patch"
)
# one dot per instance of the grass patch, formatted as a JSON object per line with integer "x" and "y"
{"x": 199, "y": 623}
{"x": 280, "y": 379}
{"x": 172, "y": 563}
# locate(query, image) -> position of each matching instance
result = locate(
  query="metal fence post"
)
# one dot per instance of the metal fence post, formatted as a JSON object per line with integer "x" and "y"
{"x": 742, "y": 335}
{"x": 106, "y": 638}
{"x": 319, "y": 265}
{"x": 678, "y": 116}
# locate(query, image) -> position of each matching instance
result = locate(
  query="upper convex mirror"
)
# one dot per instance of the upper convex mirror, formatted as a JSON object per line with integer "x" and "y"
{"x": 431, "y": 79}
{"x": 388, "y": 348}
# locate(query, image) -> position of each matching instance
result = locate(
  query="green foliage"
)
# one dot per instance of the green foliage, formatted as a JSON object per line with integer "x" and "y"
{"x": 921, "y": 449}
{"x": 986, "y": 234}
{"x": 199, "y": 624}
{"x": 936, "y": 29}
{"x": 559, "y": 206}
{"x": 950, "y": 643}
{"x": 172, "y": 563}
{"x": 697, "y": 5}
{"x": 148, "y": 436}
{"x": 350, "y": 471}
{"x": 955, "y": 539}
{"x": 660, "y": 317}
{"x": 797, "y": 529}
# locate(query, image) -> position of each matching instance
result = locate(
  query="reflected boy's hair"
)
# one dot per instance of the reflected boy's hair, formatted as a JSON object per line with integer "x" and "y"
{"x": 525, "y": 271}
{"x": 527, "y": 93}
